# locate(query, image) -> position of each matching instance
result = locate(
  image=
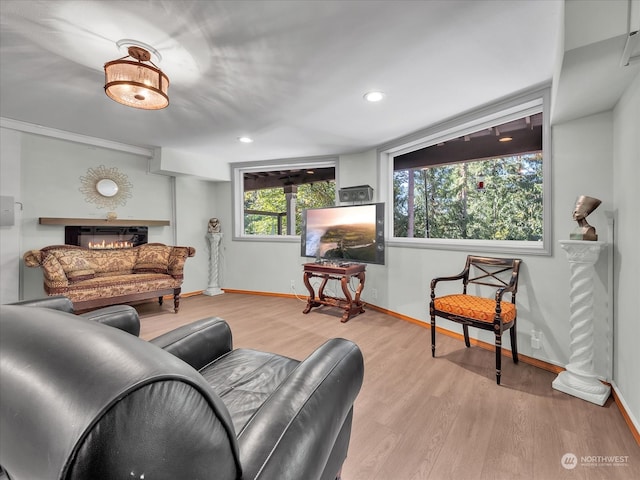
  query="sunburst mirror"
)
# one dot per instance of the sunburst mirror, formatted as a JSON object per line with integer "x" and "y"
{"x": 106, "y": 187}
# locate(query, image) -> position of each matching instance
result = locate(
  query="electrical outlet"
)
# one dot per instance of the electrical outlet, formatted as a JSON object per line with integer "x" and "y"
{"x": 536, "y": 339}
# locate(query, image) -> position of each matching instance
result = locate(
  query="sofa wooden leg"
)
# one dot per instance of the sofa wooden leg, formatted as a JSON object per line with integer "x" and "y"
{"x": 339, "y": 475}
{"x": 160, "y": 300}
{"x": 176, "y": 300}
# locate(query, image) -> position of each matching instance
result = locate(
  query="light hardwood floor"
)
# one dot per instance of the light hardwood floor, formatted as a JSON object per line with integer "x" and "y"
{"x": 424, "y": 418}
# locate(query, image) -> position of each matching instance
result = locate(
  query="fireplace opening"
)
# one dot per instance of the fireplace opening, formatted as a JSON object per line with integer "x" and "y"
{"x": 105, "y": 237}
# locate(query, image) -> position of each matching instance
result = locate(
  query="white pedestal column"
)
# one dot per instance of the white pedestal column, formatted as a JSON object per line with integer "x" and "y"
{"x": 214, "y": 264}
{"x": 579, "y": 378}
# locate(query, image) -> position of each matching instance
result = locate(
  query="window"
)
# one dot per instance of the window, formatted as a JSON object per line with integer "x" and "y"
{"x": 479, "y": 184}
{"x": 269, "y": 199}
{"x": 439, "y": 192}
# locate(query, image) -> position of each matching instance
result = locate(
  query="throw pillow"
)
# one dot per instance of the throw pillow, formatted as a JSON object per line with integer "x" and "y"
{"x": 75, "y": 266}
{"x": 152, "y": 259}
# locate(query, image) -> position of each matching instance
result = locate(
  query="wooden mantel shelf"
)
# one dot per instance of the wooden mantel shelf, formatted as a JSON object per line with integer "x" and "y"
{"x": 83, "y": 222}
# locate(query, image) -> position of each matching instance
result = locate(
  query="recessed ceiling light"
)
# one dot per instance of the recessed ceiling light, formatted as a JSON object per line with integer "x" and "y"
{"x": 245, "y": 139}
{"x": 373, "y": 96}
{"x": 505, "y": 139}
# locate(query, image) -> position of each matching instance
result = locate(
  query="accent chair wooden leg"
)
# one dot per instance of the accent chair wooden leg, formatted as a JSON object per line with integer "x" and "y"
{"x": 498, "y": 358}
{"x": 465, "y": 329}
{"x": 433, "y": 336}
{"x": 160, "y": 300}
{"x": 514, "y": 344}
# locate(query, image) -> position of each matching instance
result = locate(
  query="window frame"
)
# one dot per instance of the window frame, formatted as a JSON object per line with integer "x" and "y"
{"x": 237, "y": 174}
{"x": 491, "y": 115}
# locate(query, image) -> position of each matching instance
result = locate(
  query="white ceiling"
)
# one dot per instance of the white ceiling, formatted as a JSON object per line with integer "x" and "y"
{"x": 290, "y": 74}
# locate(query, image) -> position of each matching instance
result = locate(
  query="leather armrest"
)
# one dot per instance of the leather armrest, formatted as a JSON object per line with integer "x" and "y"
{"x": 59, "y": 302}
{"x": 124, "y": 317}
{"x": 198, "y": 343}
{"x": 292, "y": 435}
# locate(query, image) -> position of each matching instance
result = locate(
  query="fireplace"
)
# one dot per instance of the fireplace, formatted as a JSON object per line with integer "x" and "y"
{"x": 105, "y": 237}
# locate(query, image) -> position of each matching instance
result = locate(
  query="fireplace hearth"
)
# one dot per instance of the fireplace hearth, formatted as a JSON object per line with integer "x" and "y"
{"x": 105, "y": 237}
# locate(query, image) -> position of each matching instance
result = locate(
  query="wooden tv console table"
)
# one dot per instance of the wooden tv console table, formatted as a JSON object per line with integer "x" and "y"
{"x": 335, "y": 271}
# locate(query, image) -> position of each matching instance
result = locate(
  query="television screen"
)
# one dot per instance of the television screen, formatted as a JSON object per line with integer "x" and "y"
{"x": 353, "y": 233}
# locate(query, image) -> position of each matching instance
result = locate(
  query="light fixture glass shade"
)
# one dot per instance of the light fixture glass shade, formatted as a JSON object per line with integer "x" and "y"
{"x": 136, "y": 84}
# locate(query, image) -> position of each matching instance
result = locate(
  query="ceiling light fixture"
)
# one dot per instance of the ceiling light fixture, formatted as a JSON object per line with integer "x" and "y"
{"x": 135, "y": 83}
{"x": 245, "y": 139}
{"x": 373, "y": 96}
{"x": 505, "y": 139}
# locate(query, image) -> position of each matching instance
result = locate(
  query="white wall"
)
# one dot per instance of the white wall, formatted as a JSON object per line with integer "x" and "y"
{"x": 195, "y": 205}
{"x": 254, "y": 265}
{"x": 355, "y": 170}
{"x": 626, "y": 166}
{"x": 175, "y": 162}
{"x": 10, "y": 236}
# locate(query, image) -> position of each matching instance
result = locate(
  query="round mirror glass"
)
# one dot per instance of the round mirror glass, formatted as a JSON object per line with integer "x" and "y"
{"x": 107, "y": 187}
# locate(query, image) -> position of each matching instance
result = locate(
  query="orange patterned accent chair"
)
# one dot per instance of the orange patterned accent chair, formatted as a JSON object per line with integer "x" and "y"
{"x": 477, "y": 310}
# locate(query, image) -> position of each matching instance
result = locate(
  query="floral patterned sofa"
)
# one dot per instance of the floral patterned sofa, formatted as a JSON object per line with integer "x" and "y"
{"x": 93, "y": 278}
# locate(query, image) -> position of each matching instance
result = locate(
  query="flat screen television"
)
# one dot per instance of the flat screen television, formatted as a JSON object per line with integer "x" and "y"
{"x": 353, "y": 233}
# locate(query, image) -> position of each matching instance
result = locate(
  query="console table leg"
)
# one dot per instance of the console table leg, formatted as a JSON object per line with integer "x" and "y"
{"x": 344, "y": 282}
{"x": 359, "y": 291}
{"x": 325, "y": 279}
{"x": 312, "y": 294}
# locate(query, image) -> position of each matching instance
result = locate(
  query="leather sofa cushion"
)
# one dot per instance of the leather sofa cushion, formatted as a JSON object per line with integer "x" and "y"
{"x": 245, "y": 378}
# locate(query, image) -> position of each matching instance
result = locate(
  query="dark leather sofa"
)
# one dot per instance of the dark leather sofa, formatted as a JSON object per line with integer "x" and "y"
{"x": 83, "y": 400}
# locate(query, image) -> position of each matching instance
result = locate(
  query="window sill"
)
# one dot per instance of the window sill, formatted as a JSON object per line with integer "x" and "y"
{"x": 489, "y": 246}
{"x": 268, "y": 238}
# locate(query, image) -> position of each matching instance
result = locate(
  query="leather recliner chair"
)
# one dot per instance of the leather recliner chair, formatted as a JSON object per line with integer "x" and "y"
{"x": 83, "y": 400}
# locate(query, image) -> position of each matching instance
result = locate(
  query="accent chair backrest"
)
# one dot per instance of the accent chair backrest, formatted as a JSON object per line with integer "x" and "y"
{"x": 491, "y": 271}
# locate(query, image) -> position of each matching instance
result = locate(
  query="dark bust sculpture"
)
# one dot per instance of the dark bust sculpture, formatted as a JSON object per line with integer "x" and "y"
{"x": 584, "y": 206}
